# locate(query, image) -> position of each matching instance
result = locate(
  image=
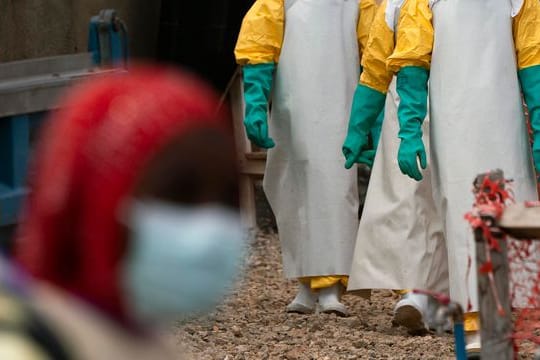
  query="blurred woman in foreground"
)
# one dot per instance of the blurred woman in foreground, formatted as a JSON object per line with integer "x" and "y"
{"x": 133, "y": 211}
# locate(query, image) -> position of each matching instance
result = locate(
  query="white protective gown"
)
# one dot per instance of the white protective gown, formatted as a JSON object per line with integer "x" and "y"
{"x": 477, "y": 121}
{"x": 314, "y": 198}
{"x": 400, "y": 242}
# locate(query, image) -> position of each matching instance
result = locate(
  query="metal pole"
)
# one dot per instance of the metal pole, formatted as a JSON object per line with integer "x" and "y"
{"x": 459, "y": 341}
{"x": 449, "y": 310}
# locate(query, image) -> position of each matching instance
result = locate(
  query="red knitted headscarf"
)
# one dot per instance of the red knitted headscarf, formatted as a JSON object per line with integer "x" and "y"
{"x": 91, "y": 154}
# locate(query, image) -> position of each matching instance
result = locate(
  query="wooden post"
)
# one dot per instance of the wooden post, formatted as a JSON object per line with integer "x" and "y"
{"x": 496, "y": 328}
{"x": 252, "y": 163}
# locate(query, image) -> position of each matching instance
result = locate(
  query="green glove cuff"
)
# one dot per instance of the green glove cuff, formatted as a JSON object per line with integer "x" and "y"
{"x": 366, "y": 107}
{"x": 412, "y": 87}
{"x": 530, "y": 85}
{"x": 257, "y": 85}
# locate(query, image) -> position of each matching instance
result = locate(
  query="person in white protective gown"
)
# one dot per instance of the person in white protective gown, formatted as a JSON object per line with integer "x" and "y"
{"x": 400, "y": 243}
{"x": 306, "y": 53}
{"x": 478, "y": 53}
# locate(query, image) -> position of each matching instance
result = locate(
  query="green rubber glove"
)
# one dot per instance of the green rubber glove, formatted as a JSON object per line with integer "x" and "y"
{"x": 530, "y": 85}
{"x": 367, "y": 105}
{"x": 376, "y": 130}
{"x": 413, "y": 92}
{"x": 367, "y": 156}
{"x": 257, "y": 85}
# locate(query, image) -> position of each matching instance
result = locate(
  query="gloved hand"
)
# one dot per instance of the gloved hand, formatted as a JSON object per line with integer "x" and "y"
{"x": 367, "y": 157}
{"x": 367, "y": 105}
{"x": 413, "y": 91}
{"x": 257, "y": 85}
{"x": 409, "y": 151}
{"x": 530, "y": 85}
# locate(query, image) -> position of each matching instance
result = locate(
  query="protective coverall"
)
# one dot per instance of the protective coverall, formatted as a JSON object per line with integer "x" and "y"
{"x": 475, "y": 51}
{"x": 307, "y": 55}
{"x": 400, "y": 244}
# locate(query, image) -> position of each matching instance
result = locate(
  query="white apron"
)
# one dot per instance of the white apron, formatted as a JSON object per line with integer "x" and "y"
{"x": 477, "y": 120}
{"x": 314, "y": 198}
{"x": 400, "y": 244}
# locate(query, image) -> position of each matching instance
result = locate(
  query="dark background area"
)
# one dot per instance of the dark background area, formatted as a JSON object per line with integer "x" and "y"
{"x": 201, "y": 35}
{"x": 197, "y": 35}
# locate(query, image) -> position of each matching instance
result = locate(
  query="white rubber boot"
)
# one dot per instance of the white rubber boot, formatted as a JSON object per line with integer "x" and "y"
{"x": 473, "y": 345}
{"x": 329, "y": 300}
{"x": 410, "y": 312}
{"x": 304, "y": 302}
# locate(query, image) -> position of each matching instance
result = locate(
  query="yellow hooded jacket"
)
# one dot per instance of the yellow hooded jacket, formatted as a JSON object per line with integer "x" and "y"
{"x": 415, "y": 35}
{"x": 261, "y": 34}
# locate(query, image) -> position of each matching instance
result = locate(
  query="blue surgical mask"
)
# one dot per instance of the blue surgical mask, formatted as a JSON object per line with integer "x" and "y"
{"x": 182, "y": 260}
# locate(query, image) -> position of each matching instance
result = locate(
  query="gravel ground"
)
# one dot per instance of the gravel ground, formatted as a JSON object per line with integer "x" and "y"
{"x": 252, "y": 324}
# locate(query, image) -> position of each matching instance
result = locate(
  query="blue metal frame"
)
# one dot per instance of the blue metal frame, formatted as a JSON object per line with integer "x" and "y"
{"x": 107, "y": 39}
{"x": 15, "y": 151}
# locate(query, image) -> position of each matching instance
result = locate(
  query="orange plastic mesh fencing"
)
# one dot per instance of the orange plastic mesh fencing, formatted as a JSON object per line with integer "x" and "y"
{"x": 524, "y": 262}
